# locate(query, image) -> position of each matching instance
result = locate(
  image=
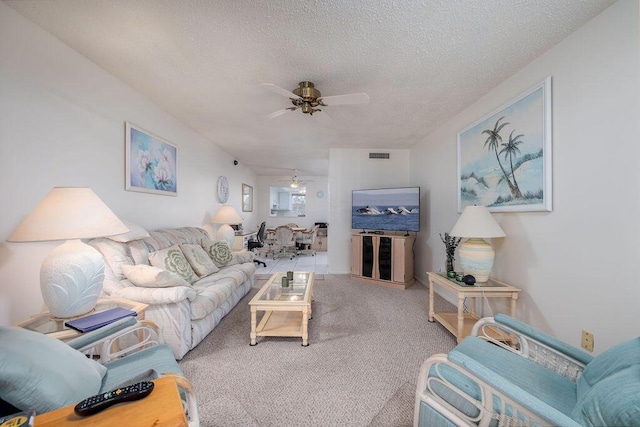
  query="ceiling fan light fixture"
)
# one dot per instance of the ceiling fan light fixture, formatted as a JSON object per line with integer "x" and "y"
{"x": 307, "y": 91}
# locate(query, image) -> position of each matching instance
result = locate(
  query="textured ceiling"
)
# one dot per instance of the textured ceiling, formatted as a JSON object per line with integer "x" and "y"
{"x": 420, "y": 61}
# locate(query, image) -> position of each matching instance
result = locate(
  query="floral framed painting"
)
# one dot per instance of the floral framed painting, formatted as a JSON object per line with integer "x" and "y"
{"x": 247, "y": 198}
{"x": 151, "y": 162}
{"x": 504, "y": 159}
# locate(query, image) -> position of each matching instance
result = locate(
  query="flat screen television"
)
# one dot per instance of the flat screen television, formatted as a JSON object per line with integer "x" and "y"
{"x": 394, "y": 209}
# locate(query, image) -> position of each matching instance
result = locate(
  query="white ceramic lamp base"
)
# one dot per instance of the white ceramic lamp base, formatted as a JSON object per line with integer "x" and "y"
{"x": 71, "y": 279}
{"x": 476, "y": 258}
{"x": 225, "y": 232}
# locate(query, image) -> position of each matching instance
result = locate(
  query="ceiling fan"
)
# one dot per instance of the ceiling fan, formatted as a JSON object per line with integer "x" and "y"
{"x": 295, "y": 181}
{"x": 307, "y": 99}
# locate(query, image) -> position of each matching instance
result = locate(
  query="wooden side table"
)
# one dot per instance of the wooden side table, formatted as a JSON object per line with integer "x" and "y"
{"x": 162, "y": 407}
{"x": 461, "y": 323}
{"x": 55, "y": 327}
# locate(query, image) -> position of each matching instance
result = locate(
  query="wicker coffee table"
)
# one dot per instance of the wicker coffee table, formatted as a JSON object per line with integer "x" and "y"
{"x": 287, "y": 310}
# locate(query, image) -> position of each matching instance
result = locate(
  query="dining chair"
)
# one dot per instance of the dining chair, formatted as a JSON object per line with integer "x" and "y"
{"x": 305, "y": 240}
{"x": 285, "y": 244}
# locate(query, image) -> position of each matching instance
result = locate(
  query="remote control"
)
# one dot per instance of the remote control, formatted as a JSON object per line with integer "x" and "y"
{"x": 97, "y": 403}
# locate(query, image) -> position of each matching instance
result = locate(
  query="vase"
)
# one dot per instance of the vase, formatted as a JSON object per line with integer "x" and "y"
{"x": 450, "y": 264}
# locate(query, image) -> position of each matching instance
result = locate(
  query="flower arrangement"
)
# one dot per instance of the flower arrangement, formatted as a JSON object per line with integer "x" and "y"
{"x": 451, "y": 243}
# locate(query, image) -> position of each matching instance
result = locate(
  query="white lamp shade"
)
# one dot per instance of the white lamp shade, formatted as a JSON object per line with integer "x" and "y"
{"x": 227, "y": 215}
{"x": 68, "y": 213}
{"x": 476, "y": 221}
{"x": 72, "y": 274}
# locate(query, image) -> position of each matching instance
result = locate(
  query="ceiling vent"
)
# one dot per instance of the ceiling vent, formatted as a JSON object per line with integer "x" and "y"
{"x": 379, "y": 156}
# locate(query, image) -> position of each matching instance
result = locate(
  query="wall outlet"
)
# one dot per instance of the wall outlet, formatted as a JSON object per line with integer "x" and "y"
{"x": 587, "y": 340}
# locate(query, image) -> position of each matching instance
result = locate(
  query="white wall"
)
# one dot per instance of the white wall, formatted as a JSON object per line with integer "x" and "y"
{"x": 351, "y": 169}
{"x": 62, "y": 124}
{"x": 576, "y": 265}
{"x": 317, "y": 208}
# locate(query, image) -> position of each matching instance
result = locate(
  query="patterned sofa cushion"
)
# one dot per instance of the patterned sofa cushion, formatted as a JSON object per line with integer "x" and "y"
{"x": 211, "y": 296}
{"x": 114, "y": 253}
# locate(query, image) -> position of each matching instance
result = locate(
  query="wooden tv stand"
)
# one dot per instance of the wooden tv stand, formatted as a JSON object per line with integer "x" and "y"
{"x": 382, "y": 259}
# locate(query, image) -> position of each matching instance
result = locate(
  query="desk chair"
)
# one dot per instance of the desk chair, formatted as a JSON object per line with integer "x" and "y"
{"x": 258, "y": 243}
{"x": 42, "y": 373}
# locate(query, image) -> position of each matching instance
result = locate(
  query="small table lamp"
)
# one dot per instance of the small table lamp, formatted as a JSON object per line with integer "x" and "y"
{"x": 71, "y": 275}
{"x": 225, "y": 216}
{"x": 476, "y": 255}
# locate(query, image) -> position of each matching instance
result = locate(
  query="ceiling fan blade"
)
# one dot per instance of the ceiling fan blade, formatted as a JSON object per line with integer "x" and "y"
{"x": 277, "y": 89}
{"x": 276, "y": 114}
{"x": 323, "y": 117}
{"x": 352, "y": 98}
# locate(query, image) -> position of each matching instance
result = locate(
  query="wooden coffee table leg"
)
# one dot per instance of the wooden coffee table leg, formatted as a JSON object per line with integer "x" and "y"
{"x": 253, "y": 326}
{"x": 305, "y": 326}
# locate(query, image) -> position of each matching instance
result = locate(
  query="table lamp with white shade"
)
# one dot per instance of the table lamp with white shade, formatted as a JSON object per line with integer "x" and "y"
{"x": 71, "y": 275}
{"x": 225, "y": 216}
{"x": 476, "y": 255}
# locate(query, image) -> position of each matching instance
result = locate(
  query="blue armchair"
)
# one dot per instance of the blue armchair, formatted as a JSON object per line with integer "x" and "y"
{"x": 42, "y": 373}
{"x": 511, "y": 374}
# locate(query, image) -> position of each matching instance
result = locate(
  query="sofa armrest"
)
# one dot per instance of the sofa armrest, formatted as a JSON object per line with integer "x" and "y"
{"x": 474, "y": 395}
{"x": 152, "y": 296}
{"x": 533, "y": 344}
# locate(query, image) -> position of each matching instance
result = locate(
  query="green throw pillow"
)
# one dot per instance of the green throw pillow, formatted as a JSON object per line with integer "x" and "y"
{"x": 199, "y": 259}
{"x": 173, "y": 259}
{"x": 219, "y": 251}
{"x": 42, "y": 373}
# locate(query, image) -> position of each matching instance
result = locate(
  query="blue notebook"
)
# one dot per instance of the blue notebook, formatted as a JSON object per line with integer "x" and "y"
{"x": 98, "y": 320}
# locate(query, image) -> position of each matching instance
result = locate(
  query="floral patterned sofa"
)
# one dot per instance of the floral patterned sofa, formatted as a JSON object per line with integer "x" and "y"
{"x": 189, "y": 281}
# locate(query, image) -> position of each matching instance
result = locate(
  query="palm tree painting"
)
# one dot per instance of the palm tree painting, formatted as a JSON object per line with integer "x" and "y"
{"x": 504, "y": 159}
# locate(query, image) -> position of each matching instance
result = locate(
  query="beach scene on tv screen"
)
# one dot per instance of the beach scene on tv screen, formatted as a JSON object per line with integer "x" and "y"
{"x": 396, "y": 209}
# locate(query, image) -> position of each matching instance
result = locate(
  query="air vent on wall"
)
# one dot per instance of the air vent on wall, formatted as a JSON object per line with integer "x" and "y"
{"x": 379, "y": 156}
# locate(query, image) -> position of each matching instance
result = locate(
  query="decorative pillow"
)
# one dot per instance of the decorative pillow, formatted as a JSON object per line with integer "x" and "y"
{"x": 199, "y": 260}
{"x": 173, "y": 259}
{"x": 148, "y": 276}
{"x": 42, "y": 373}
{"x": 135, "y": 233}
{"x": 240, "y": 258}
{"x": 218, "y": 250}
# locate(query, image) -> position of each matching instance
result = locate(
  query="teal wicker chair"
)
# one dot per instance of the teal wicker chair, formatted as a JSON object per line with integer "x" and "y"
{"x": 42, "y": 373}
{"x": 511, "y": 374}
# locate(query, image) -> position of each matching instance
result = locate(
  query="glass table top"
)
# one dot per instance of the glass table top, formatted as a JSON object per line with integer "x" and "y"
{"x": 488, "y": 284}
{"x": 45, "y": 324}
{"x": 296, "y": 291}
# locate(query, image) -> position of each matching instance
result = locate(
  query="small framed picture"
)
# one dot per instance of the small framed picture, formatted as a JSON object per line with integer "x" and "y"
{"x": 247, "y": 198}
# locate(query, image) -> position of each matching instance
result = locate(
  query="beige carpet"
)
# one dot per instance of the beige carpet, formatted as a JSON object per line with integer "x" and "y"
{"x": 366, "y": 347}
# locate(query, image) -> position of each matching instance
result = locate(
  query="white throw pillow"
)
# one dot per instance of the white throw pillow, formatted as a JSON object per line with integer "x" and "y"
{"x": 199, "y": 260}
{"x": 173, "y": 259}
{"x": 135, "y": 233}
{"x": 148, "y": 276}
